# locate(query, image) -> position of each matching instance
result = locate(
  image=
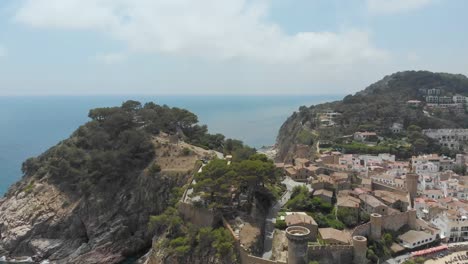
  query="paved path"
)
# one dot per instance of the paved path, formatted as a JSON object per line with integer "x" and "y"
{"x": 273, "y": 213}
{"x": 399, "y": 259}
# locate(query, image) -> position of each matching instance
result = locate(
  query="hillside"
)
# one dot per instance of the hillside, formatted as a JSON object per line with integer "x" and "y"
{"x": 376, "y": 109}
{"x": 89, "y": 198}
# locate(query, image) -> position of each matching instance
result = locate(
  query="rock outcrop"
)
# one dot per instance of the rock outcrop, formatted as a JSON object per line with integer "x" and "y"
{"x": 38, "y": 219}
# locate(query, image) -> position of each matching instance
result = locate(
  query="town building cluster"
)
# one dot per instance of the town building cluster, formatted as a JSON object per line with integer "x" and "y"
{"x": 424, "y": 193}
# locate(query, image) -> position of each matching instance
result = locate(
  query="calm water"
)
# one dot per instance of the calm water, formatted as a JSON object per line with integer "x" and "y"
{"x": 30, "y": 125}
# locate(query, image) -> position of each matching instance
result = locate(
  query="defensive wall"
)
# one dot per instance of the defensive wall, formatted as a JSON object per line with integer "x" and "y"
{"x": 244, "y": 255}
{"x": 386, "y": 187}
{"x": 201, "y": 217}
{"x": 328, "y": 254}
{"x": 389, "y": 222}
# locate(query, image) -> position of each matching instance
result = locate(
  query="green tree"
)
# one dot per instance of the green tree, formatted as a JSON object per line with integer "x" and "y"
{"x": 387, "y": 239}
{"x": 214, "y": 181}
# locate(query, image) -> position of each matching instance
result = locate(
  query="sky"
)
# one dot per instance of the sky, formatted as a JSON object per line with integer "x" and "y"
{"x": 100, "y": 47}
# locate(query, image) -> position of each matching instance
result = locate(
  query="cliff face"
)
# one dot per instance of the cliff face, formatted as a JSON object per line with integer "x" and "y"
{"x": 161, "y": 255}
{"x": 375, "y": 108}
{"x": 289, "y": 142}
{"x": 38, "y": 219}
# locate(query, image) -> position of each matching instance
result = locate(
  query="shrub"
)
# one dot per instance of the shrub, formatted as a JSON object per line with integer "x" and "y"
{"x": 186, "y": 152}
{"x": 280, "y": 224}
{"x": 154, "y": 169}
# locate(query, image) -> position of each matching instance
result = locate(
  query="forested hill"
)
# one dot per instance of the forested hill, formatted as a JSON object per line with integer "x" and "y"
{"x": 89, "y": 198}
{"x": 377, "y": 107}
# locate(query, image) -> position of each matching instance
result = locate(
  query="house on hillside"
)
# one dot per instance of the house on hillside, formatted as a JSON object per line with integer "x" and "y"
{"x": 365, "y": 136}
{"x": 396, "y": 128}
{"x": 415, "y": 103}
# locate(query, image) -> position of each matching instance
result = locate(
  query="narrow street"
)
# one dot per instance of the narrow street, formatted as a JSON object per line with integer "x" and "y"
{"x": 273, "y": 213}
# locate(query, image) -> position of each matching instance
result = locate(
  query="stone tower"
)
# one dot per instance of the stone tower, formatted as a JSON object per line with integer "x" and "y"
{"x": 412, "y": 217}
{"x": 376, "y": 226}
{"x": 298, "y": 238}
{"x": 412, "y": 186}
{"x": 359, "y": 250}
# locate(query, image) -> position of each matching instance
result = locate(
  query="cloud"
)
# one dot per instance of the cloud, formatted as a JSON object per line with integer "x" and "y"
{"x": 111, "y": 58}
{"x": 210, "y": 29}
{"x": 395, "y": 6}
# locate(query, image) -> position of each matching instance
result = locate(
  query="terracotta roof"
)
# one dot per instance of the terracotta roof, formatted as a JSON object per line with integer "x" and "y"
{"x": 291, "y": 171}
{"x": 348, "y": 201}
{"x": 323, "y": 192}
{"x": 296, "y": 219}
{"x": 370, "y": 200}
{"x": 334, "y": 234}
{"x": 414, "y": 236}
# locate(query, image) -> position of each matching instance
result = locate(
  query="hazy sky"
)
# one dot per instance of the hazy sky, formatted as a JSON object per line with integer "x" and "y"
{"x": 224, "y": 46}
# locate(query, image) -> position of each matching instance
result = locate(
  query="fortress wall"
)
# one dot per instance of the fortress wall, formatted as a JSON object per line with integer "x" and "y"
{"x": 245, "y": 256}
{"x": 384, "y": 187}
{"x": 362, "y": 230}
{"x": 396, "y": 221}
{"x": 333, "y": 254}
{"x": 389, "y": 222}
{"x": 201, "y": 217}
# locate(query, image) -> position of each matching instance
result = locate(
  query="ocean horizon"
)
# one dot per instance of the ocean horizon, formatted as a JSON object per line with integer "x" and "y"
{"x": 29, "y": 125}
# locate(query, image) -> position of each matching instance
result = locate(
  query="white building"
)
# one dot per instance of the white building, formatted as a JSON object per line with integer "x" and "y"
{"x": 460, "y": 99}
{"x": 396, "y": 128}
{"x": 413, "y": 239}
{"x": 450, "y": 138}
{"x": 426, "y": 169}
{"x": 453, "y": 226}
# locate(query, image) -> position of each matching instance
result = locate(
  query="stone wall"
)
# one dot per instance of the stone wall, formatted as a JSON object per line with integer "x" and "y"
{"x": 389, "y": 222}
{"x": 201, "y": 217}
{"x": 244, "y": 255}
{"x": 396, "y": 221}
{"x": 247, "y": 258}
{"x": 331, "y": 254}
{"x": 362, "y": 230}
{"x": 385, "y": 187}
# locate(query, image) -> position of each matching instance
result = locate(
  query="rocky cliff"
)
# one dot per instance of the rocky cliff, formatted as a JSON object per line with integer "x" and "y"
{"x": 38, "y": 219}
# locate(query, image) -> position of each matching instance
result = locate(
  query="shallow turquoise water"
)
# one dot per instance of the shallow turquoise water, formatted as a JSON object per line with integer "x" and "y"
{"x": 30, "y": 125}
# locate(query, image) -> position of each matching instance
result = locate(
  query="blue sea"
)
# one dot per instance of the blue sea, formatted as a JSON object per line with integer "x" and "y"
{"x": 31, "y": 125}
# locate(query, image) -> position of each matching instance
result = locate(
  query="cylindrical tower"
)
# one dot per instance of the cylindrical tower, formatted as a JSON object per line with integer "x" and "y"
{"x": 376, "y": 226}
{"x": 359, "y": 250}
{"x": 412, "y": 186}
{"x": 298, "y": 238}
{"x": 412, "y": 216}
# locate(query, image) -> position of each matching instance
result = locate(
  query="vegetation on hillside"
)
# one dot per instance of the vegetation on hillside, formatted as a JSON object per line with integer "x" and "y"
{"x": 322, "y": 212}
{"x": 376, "y": 109}
{"x": 117, "y": 143}
{"x": 184, "y": 240}
{"x": 221, "y": 185}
